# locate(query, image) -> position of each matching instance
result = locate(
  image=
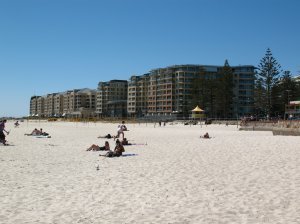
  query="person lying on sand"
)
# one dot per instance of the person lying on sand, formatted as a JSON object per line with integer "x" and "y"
{"x": 119, "y": 149}
{"x": 206, "y": 135}
{"x": 98, "y": 148}
{"x": 37, "y": 132}
{"x": 108, "y": 136}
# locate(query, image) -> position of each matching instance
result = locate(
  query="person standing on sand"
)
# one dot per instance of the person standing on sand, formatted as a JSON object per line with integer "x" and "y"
{"x": 121, "y": 129}
{"x": 2, "y": 130}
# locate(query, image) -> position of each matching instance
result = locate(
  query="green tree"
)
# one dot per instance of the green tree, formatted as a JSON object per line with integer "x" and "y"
{"x": 199, "y": 88}
{"x": 268, "y": 74}
{"x": 259, "y": 99}
{"x": 283, "y": 92}
{"x": 224, "y": 91}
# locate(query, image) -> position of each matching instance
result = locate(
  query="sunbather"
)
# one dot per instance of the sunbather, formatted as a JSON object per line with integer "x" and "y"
{"x": 108, "y": 136}
{"x": 119, "y": 149}
{"x": 206, "y": 135}
{"x": 98, "y": 148}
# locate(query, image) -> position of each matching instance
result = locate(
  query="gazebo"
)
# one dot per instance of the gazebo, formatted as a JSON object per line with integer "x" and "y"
{"x": 197, "y": 113}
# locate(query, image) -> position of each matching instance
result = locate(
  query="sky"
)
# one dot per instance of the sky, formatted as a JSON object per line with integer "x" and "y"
{"x": 49, "y": 46}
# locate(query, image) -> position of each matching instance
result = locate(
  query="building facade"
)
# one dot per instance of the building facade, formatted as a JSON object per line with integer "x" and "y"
{"x": 72, "y": 103}
{"x": 137, "y": 100}
{"x": 168, "y": 92}
{"x": 33, "y": 105}
{"x": 162, "y": 93}
{"x": 112, "y": 99}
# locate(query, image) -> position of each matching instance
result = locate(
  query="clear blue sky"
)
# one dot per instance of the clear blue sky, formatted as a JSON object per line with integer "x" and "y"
{"x": 51, "y": 46}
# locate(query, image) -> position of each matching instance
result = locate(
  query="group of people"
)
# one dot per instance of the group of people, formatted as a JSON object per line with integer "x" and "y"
{"x": 37, "y": 132}
{"x": 119, "y": 148}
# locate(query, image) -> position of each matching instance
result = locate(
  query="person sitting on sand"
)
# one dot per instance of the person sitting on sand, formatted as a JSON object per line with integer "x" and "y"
{"x": 206, "y": 135}
{"x": 119, "y": 149}
{"x": 43, "y": 133}
{"x": 16, "y": 124}
{"x": 98, "y": 148}
{"x": 125, "y": 142}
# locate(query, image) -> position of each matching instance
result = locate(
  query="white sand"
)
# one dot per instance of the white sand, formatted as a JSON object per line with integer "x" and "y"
{"x": 235, "y": 177}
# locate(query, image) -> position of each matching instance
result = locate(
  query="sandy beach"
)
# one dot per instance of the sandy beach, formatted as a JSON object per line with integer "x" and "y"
{"x": 176, "y": 177}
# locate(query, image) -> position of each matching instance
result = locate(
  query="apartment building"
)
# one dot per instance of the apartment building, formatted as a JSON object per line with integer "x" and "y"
{"x": 169, "y": 90}
{"x": 78, "y": 103}
{"x": 137, "y": 100}
{"x": 112, "y": 98}
{"x": 58, "y": 103}
{"x": 33, "y": 105}
{"x": 49, "y": 105}
{"x": 161, "y": 93}
{"x": 72, "y": 103}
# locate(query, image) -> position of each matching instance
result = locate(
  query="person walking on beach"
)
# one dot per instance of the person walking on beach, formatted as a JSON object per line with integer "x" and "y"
{"x": 2, "y": 130}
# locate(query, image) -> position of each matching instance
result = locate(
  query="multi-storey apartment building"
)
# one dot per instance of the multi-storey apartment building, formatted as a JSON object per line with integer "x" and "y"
{"x": 78, "y": 103}
{"x": 40, "y": 107}
{"x": 33, "y": 105}
{"x": 49, "y": 105}
{"x": 112, "y": 98}
{"x": 37, "y": 106}
{"x": 58, "y": 105}
{"x": 73, "y": 103}
{"x": 169, "y": 91}
{"x": 137, "y": 101}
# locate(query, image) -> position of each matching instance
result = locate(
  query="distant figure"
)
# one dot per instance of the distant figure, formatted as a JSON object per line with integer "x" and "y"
{"x": 16, "y": 124}
{"x": 206, "y": 135}
{"x": 2, "y": 130}
{"x": 159, "y": 123}
{"x": 98, "y": 148}
{"x": 119, "y": 149}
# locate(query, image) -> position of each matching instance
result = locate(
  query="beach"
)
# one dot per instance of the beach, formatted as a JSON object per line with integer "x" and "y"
{"x": 171, "y": 175}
